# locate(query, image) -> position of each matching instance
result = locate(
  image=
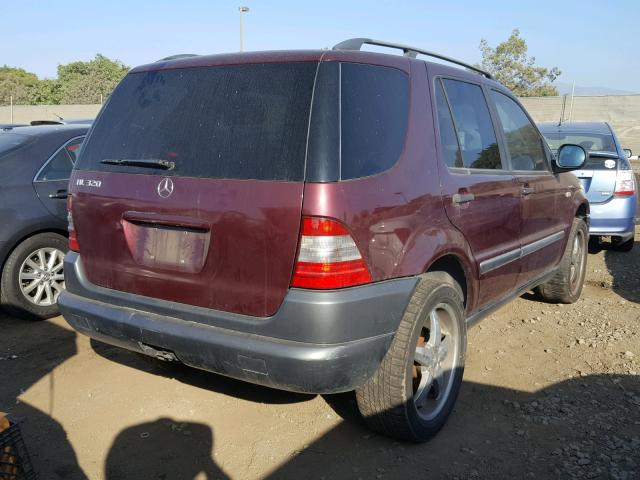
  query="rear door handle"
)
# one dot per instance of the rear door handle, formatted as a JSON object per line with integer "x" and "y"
{"x": 463, "y": 197}
{"x": 527, "y": 190}
{"x": 60, "y": 195}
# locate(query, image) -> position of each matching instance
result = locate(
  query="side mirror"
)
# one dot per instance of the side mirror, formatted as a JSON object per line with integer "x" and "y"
{"x": 571, "y": 157}
{"x": 627, "y": 152}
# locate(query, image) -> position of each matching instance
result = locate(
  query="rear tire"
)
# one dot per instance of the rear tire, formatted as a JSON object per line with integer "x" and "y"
{"x": 20, "y": 271}
{"x": 413, "y": 392}
{"x": 566, "y": 285}
{"x": 624, "y": 246}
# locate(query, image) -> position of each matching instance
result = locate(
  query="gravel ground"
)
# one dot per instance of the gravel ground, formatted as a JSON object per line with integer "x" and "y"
{"x": 550, "y": 391}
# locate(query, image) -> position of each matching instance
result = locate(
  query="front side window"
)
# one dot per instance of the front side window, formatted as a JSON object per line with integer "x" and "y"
{"x": 474, "y": 128}
{"x": 526, "y": 150}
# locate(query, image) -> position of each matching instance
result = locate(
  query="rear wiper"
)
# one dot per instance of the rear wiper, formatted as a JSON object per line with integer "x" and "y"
{"x": 142, "y": 162}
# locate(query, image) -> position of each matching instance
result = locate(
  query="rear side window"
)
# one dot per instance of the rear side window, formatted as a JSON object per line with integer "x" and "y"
{"x": 474, "y": 128}
{"x": 73, "y": 148}
{"x": 241, "y": 122}
{"x": 58, "y": 168}
{"x": 526, "y": 150}
{"x": 374, "y": 116}
{"x": 60, "y": 165}
{"x": 448, "y": 142}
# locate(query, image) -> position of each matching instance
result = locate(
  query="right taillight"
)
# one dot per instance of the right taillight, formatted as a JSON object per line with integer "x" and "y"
{"x": 328, "y": 257}
{"x": 625, "y": 183}
{"x": 73, "y": 238}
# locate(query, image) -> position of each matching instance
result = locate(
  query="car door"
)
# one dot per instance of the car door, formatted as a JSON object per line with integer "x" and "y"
{"x": 542, "y": 229}
{"x": 480, "y": 195}
{"x": 52, "y": 179}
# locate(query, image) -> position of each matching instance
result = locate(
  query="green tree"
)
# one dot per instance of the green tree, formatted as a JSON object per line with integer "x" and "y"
{"x": 47, "y": 92}
{"x": 16, "y": 83}
{"x": 88, "y": 82}
{"x": 510, "y": 65}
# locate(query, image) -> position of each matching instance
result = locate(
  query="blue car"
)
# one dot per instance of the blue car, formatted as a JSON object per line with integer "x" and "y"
{"x": 607, "y": 178}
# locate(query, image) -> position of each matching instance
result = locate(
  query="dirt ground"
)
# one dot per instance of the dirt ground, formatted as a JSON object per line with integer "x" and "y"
{"x": 550, "y": 391}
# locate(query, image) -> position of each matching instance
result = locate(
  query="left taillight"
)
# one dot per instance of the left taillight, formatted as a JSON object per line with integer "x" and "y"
{"x": 625, "y": 183}
{"x": 73, "y": 237}
{"x": 328, "y": 257}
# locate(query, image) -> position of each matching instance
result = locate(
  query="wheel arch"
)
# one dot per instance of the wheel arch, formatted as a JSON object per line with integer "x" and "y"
{"x": 12, "y": 244}
{"x": 583, "y": 212}
{"x": 455, "y": 266}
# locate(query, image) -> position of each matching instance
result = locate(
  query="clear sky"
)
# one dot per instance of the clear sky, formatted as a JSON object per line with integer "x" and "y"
{"x": 595, "y": 43}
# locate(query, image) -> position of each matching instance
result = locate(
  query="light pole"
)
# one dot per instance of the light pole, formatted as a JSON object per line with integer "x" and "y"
{"x": 242, "y": 10}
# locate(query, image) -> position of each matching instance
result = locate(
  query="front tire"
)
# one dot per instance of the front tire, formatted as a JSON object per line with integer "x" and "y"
{"x": 566, "y": 285}
{"x": 413, "y": 392}
{"x": 33, "y": 277}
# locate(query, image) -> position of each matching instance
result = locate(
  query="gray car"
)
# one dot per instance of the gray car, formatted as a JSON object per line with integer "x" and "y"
{"x": 607, "y": 179}
{"x": 35, "y": 164}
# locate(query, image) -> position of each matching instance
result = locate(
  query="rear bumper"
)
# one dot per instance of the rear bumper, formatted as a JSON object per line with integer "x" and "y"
{"x": 615, "y": 217}
{"x": 317, "y": 342}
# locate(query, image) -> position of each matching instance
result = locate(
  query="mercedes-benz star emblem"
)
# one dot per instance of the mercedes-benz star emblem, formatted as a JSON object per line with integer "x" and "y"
{"x": 165, "y": 187}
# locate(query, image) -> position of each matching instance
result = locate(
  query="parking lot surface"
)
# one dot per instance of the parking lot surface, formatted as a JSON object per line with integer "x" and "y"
{"x": 550, "y": 391}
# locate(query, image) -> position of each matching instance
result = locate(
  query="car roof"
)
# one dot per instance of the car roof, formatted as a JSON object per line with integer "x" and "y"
{"x": 576, "y": 127}
{"x": 46, "y": 130}
{"x": 277, "y": 56}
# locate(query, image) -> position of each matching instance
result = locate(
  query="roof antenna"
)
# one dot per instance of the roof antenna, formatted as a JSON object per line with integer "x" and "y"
{"x": 564, "y": 103}
{"x": 59, "y": 117}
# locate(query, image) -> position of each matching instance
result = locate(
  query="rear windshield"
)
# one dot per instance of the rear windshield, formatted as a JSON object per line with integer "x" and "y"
{"x": 11, "y": 141}
{"x": 241, "y": 122}
{"x": 591, "y": 142}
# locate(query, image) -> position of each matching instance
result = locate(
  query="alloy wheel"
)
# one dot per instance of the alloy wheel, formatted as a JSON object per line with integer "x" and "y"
{"x": 435, "y": 361}
{"x": 41, "y": 276}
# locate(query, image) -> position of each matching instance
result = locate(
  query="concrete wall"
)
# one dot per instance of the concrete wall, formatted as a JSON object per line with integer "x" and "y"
{"x": 27, "y": 113}
{"x": 621, "y": 111}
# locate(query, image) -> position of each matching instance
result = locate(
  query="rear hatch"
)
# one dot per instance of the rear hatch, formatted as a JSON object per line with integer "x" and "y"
{"x": 189, "y": 186}
{"x": 598, "y": 177}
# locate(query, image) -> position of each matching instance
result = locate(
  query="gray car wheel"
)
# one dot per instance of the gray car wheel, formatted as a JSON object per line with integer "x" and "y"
{"x": 33, "y": 277}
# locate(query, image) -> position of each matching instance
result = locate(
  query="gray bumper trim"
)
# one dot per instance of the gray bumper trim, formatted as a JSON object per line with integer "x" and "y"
{"x": 318, "y": 342}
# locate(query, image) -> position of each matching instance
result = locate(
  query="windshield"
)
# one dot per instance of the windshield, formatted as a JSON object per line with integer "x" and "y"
{"x": 240, "y": 122}
{"x": 11, "y": 141}
{"x": 592, "y": 142}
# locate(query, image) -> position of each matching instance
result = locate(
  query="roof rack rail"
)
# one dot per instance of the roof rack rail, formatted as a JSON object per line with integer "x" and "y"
{"x": 411, "y": 52}
{"x": 176, "y": 57}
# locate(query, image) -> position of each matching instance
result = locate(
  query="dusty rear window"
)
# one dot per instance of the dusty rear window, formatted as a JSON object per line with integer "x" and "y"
{"x": 240, "y": 122}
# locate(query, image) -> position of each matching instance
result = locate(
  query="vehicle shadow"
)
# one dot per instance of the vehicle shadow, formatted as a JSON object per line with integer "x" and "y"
{"x": 586, "y": 427}
{"x": 30, "y": 351}
{"x": 623, "y": 267}
{"x": 197, "y": 378}
{"x": 163, "y": 449}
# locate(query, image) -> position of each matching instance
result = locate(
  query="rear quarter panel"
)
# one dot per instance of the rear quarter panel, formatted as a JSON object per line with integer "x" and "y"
{"x": 21, "y": 211}
{"x": 397, "y": 217}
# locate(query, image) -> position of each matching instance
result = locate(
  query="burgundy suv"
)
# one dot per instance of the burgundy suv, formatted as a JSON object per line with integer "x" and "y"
{"x": 318, "y": 221}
